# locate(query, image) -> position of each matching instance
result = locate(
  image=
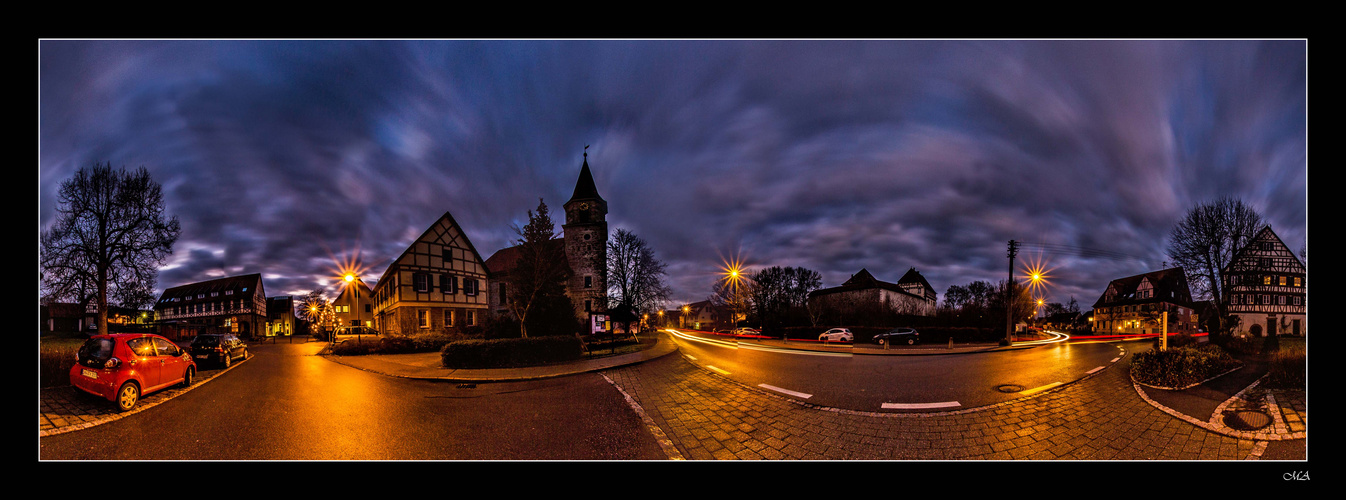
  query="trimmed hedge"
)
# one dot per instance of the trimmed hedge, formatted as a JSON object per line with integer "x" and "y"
{"x": 1180, "y": 367}
{"x": 505, "y": 353}
{"x": 393, "y": 344}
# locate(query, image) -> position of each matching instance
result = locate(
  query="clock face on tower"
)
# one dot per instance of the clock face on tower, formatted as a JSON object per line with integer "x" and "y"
{"x": 584, "y": 206}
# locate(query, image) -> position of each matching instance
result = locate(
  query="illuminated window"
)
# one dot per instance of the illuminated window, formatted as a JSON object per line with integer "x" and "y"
{"x": 1282, "y": 283}
{"x": 1296, "y": 281}
{"x": 423, "y": 318}
{"x": 1266, "y": 280}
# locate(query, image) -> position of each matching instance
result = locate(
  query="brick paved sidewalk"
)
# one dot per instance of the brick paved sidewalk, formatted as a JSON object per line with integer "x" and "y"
{"x": 705, "y": 416}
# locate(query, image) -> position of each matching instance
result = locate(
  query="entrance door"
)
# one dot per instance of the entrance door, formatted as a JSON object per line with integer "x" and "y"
{"x": 1271, "y": 327}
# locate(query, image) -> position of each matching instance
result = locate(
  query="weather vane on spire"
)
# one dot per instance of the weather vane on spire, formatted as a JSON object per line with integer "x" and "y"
{"x": 586, "y": 151}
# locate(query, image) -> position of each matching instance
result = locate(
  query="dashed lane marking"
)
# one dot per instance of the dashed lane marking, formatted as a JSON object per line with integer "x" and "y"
{"x": 1036, "y": 390}
{"x": 785, "y": 391}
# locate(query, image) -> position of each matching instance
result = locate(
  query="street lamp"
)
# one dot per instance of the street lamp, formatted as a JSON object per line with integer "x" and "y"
{"x": 350, "y": 281}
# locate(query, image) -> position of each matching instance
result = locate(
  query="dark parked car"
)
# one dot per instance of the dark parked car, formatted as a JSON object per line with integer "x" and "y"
{"x": 898, "y": 336}
{"x": 222, "y": 348}
{"x": 124, "y": 366}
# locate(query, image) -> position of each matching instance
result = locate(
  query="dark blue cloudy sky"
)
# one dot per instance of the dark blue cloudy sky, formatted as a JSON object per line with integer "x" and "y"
{"x": 286, "y": 157}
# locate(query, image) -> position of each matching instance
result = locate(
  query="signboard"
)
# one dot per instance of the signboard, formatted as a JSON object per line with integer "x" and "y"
{"x": 598, "y": 323}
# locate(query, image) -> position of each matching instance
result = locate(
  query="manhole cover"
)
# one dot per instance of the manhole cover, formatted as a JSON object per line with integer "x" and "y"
{"x": 1247, "y": 420}
{"x": 1010, "y": 388}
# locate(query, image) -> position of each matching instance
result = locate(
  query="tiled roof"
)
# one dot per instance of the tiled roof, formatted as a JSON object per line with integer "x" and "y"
{"x": 864, "y": 281}
{"x": 505, "y": 259}
{"x": 1165, "y": 281}
{"x": 252, "y": 282}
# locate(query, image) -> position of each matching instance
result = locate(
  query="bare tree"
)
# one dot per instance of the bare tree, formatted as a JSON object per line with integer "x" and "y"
{"x": 541, "y": 272}
{"x": 109, "y": 240}
{"x": 1204, "y": 242}
{"x": 316, "y": 309}
{"x": 635, "y": 277}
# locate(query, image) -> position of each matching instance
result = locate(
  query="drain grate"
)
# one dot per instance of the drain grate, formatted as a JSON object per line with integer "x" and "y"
{"x": 1010, "y": 388}
{"x": 1247, "y": 420}
{"x": 467, "y": 386}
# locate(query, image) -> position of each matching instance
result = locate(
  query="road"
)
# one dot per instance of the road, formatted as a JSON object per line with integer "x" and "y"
{"x": 900, "y": 382}
{"x": 285, "y": 403}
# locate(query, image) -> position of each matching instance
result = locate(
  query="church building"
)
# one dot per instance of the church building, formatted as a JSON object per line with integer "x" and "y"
{"x": 585, "y": 243}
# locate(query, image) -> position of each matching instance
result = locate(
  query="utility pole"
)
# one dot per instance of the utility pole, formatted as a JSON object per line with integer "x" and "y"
{"x": 1009, "y": 299}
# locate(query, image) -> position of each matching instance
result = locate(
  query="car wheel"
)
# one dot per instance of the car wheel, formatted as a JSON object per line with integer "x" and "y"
{"x": 245, "y": 354}
{"x": 911, "y": 341}
{"x": 882, "y": 341}
{"x": 127, "y": 396}
{"x": 188, "y": 376}
{"x": 228, "y": 360}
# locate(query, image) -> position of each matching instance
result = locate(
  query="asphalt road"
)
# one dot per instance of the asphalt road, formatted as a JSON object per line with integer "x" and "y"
{"x": 902, "y": 383}
{"x": 285, "y": 403}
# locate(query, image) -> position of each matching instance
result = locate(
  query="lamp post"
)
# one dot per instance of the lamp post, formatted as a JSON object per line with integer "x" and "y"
{"x": 350, "y": 281}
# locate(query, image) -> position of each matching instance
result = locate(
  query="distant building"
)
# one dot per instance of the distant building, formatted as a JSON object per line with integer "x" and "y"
{"x": 437, "y": 284}
{"x": 910, "y": 295}
{"x": 67, "y": 318}
{"x": 701, "y": 315}
{"x": 1135, "y": 304}
{"x": 502, "y": 262}
{"x": 236, "y": 304}
{"x": 280, "y": 319}
{"x": 354, "y": 306}
{"x": 1265, "y": 287}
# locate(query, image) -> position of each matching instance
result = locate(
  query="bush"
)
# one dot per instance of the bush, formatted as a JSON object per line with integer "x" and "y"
{"x": 1182, "y": 366}
{"x": 55, "y": 360}
{"x": 395, "y": 344}
{"x": 504, "y": 353}
{"x": 1179, "y": 340}
{"x": 1287, "y": 368}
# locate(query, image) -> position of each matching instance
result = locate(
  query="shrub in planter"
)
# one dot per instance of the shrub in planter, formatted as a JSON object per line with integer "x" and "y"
{"x": 503, "y": 353}
{"x": 1180, "y": 367}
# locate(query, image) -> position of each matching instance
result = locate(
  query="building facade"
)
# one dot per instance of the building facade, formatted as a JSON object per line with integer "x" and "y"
{"x": 280, "y": 318}
{"x": 863, "y": 292}
{"x": 1265, "y": 288}
{"x": 354, "y": 306}
{"x": 1135, "y": 305}
{"x": 436, "y": 285}
{"x": 235, "y": 304}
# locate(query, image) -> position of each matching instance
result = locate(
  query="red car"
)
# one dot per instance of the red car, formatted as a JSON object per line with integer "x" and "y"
{"x": 121, "y": 367}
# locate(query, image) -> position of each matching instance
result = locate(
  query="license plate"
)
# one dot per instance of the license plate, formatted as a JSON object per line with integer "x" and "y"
{"x": 202, "y": 356}
{"x": 89, "y": 373}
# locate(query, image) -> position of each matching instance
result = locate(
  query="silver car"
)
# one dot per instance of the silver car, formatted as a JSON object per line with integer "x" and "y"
{"x": 841, "y": 334}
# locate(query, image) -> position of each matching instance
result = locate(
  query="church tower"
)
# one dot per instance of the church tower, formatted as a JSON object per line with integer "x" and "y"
{"x": 586, "y": 244}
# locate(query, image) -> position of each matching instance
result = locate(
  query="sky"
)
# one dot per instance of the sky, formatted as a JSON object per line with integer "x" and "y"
{"x": 292, "y": 158}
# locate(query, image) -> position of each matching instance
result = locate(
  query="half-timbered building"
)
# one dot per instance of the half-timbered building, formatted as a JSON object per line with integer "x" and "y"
{"x": 236, "y": 304}
{"x": 1136, "y": 305}
{"x": 354, "y": 306}
{"x": 1264, "y": 286}
{"x": 437, "y": 284}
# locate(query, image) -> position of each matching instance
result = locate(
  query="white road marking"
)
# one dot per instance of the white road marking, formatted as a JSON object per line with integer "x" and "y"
{"x": 785, "y": 391}
{"x": 717, "y": 370}
{"x": 920, "y": 406}
{"x": 1040, "y": 389}
{"x": 1091, "y": 372}
{"x": 1114, "y": 360}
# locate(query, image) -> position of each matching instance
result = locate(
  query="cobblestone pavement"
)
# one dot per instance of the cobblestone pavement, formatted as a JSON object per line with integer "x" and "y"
{"x": 704, "y": 416}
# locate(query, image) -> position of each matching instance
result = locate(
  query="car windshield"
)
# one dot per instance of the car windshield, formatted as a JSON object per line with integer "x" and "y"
{"x": 96, "y": 350}
{"x": 206, "y": 340}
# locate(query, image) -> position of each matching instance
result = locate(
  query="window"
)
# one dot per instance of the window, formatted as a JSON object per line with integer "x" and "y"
{"x": 588, "y": 305}
{"x": 588, "y": 282}
{"x": 1282, "y": 281}
{"x": 447, "y": 255}
{"x": 421, "y": 282}
{"x": 470, "y": 316}
{"x": 1280, "y": 300}
{"x": 423, "y": 318}
{"x": 1266, "y": 280}
{"x": 228, "y": 292}
{"x": 448, "y": 284}
{"x": 448, "y": 317}
{"x": 503, "y": 296}
{"x": 1297, "y": 300}
{"x": 469, "y": 286}
{"x": 367, "y": 307}
{"x": 1296, "y": 281}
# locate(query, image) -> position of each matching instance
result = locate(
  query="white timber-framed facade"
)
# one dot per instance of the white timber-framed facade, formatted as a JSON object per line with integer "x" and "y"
{"x": 1265, "y": 287}
{"x": 437, "y": 285}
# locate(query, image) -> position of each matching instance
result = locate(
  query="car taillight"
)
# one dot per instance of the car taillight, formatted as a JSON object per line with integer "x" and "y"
{"x": 112, "y": 363}
{"x": 219, "y": 348}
